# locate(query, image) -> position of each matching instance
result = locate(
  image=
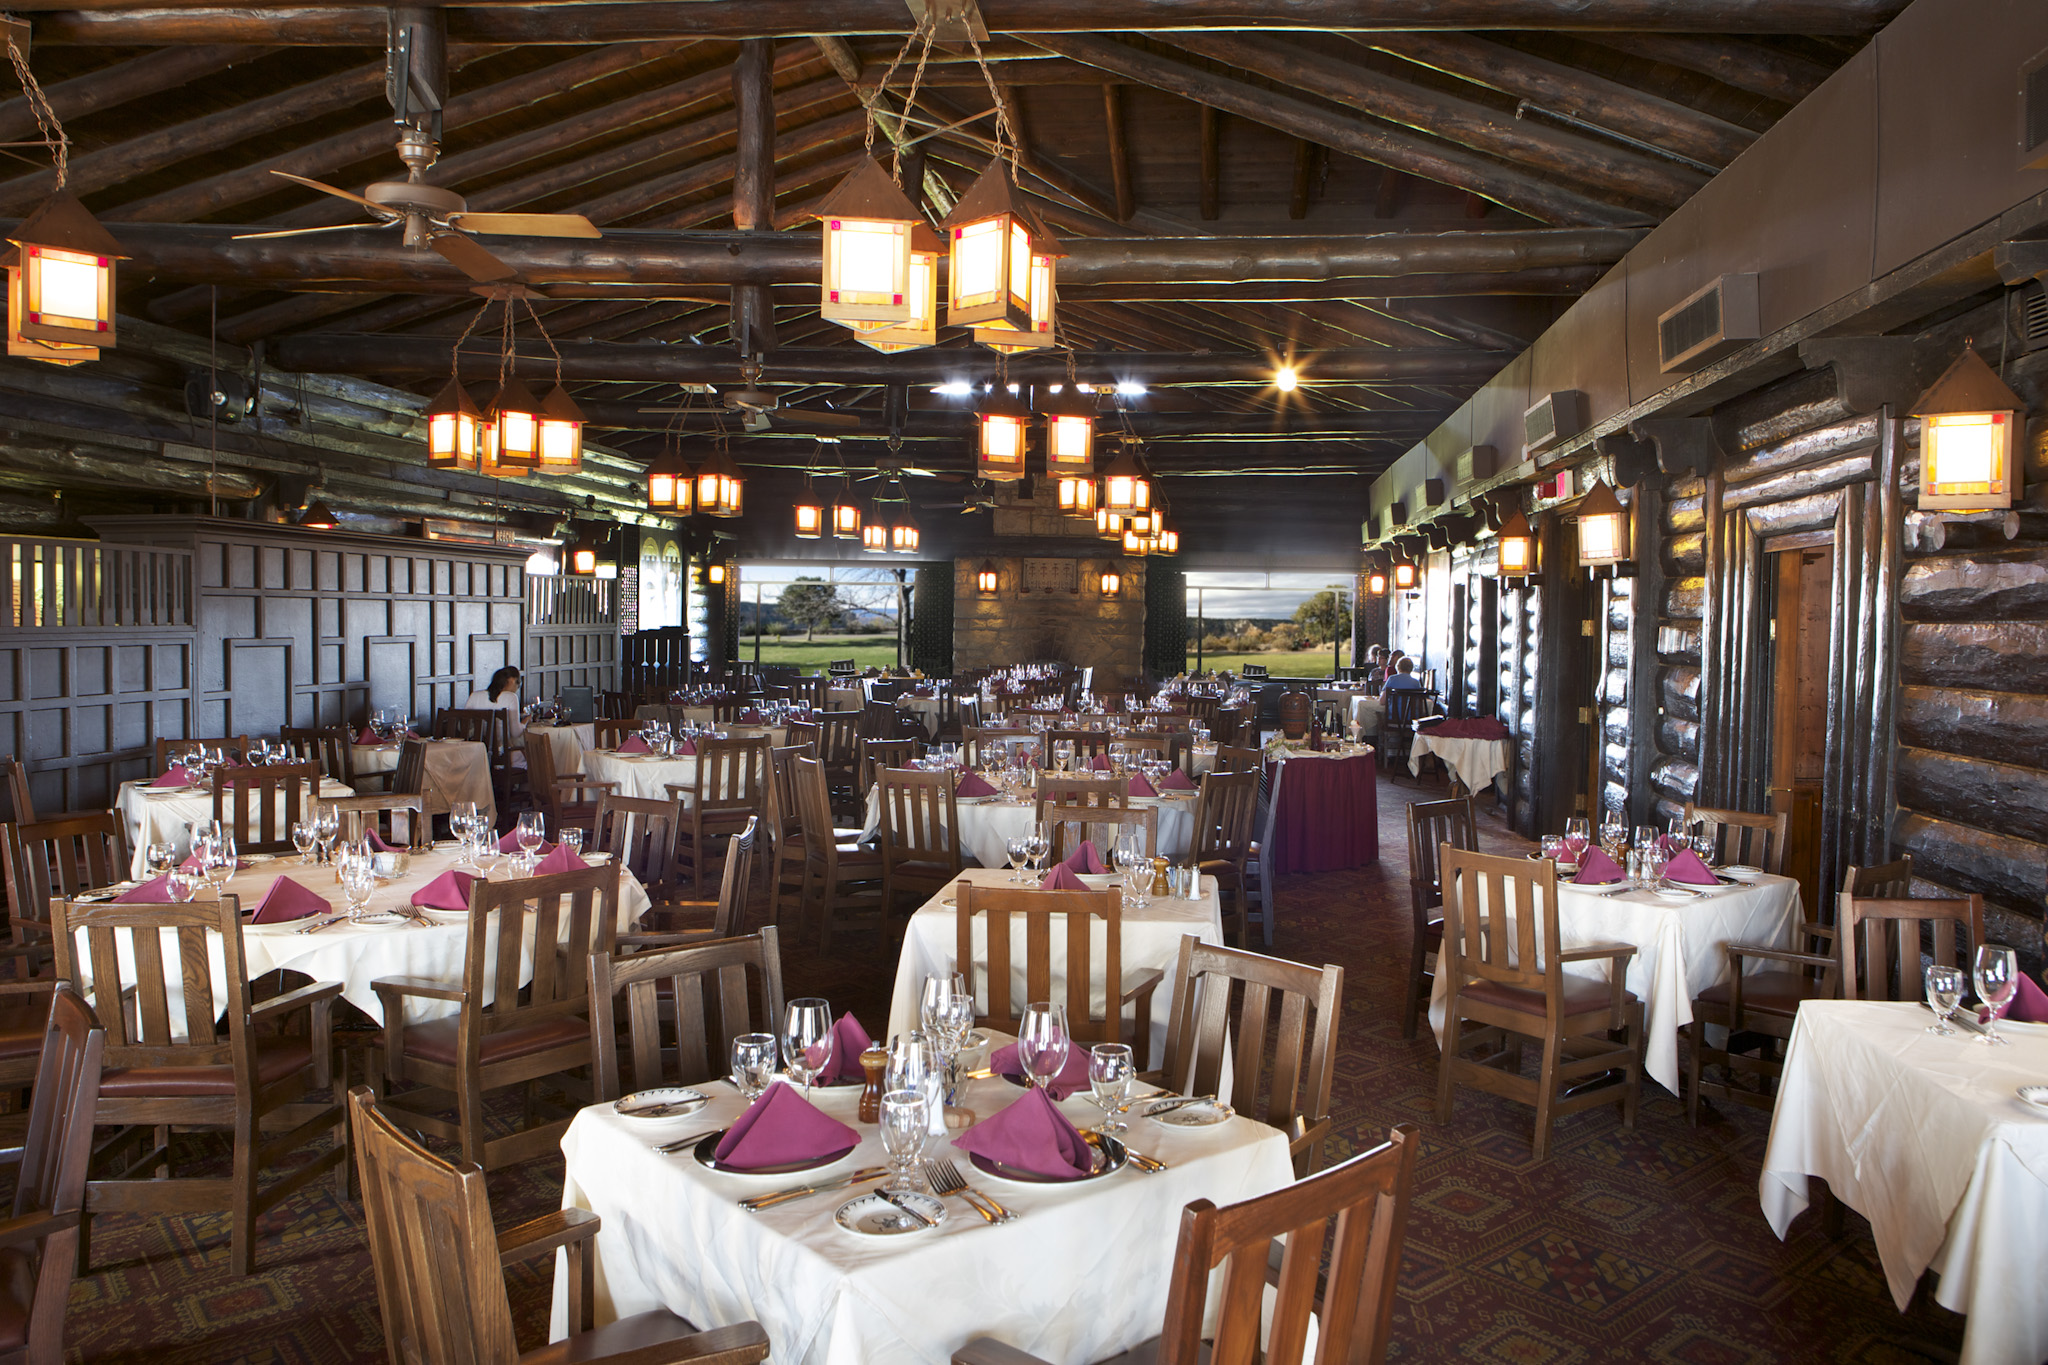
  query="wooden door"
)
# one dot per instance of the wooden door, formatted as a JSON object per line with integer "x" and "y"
{"x": 1799, "y": 700}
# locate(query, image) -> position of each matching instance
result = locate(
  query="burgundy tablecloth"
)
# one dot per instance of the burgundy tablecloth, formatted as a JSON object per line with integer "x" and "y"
{"x": 1328, "y": 815}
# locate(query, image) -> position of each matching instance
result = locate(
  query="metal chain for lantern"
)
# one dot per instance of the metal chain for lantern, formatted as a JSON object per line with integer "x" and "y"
{"x": 47, "y": 123}
{"x": 538, "y": 326}
{"x": 927, "y": 28}
{"x": 1006, "y": 134}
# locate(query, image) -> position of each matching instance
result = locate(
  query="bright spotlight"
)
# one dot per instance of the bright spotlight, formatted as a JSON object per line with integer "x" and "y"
{"x": 1286, "y": 380}
{"x": 1130, "y": 388}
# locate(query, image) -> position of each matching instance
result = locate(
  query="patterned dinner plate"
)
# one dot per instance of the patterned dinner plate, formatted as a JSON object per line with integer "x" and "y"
{"x": 667, "y": 1102}
{"x": 1109, "y": 1155}
{"x": 706, "y": 1153}
{"x": 873, "y": 1216}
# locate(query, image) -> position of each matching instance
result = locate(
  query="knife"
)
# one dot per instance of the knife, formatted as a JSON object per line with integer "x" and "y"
{"x": 769, "y": 1201}
{"x": 897, "y": 1203}
{"x": 666, "y": 1108}
{"x": 688, "y": 1140}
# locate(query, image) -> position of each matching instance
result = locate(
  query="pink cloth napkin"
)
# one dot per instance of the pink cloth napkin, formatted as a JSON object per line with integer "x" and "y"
{"x": 288, "y": 900}
{"x": 1031, "y": 1135}
{"x": 155, "y": 891}
{"x": 377, "y": 843}
{"x": 849, "y": 1041}
{"x": 750, "y": 717}
{"x": 449, "y": 891}
{"x": 783, "y": 1128}
{"x": 1140, "y": 785}
{"x": 2029, "y": 1004}
{"x": 1597, "y": 869}
{"x": 633, "y": 745}
{"x": 687, "y": 749}
{"x": 192, "y": 864}
{"x": 1101, "y": 763}
{"x": 1085, "y": 859}
{"x": 560, "y": 859}
{"x": 174, "y": 777}
{"x": 368, "y": 736}
{"x": 1073, "y": 1077}
{"x": 1178, "y": 781}
{"x": 972, "y": 784}
{"x": 1686, "y": 867}
{"x": 510, "y": 844}
{"x": 1478, "y": 727}
{"x": 1062, "y": 878}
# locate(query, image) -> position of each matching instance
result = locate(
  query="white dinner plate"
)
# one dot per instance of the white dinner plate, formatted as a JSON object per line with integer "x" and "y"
{"x": 1109, "y": 1154}
{"x": 870, "y": 1215}
{"x": 706, "y": 1153}
{"x": 1742, "y": 872}
{"x": 1101, "y": 881}
{"x": 654, "y": 1106}
{"x": 1673, "y": 893}
{"x": 2035, "y": 1097}
{"x": 1204, "y": 1114}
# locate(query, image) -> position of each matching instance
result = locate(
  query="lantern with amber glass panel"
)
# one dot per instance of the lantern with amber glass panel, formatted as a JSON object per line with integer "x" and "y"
{"x": 65, "y": 297}
{"x": 1969, "y": 436}
{"x": 1515, "y": 555}
{"x": 1069, "y": 433}
{"x": 1603, "y": 529}
{"x": 1002, "y": 423}
{"x": 1000, "y": 271}
{"x": 454, "y": 429}
{"x": 671, "y": 486}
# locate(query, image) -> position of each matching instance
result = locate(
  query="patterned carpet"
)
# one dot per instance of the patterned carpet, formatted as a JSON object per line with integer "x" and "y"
{"x": 1644, "y": 1246}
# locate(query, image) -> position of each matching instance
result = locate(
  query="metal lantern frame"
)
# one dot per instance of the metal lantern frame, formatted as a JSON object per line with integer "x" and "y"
{"x": 1070, "y": 417}
{"x": 1515, "y": 548}
{"x": 1969, "y": 425}
{"x": 1603, "y": 528}
{"x": 1002, "y": 425}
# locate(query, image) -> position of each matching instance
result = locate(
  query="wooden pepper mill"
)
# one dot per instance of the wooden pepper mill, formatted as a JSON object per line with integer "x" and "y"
{"x": 874, "y": 1065}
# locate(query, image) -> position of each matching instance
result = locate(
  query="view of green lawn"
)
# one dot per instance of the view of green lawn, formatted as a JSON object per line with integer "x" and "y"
{"x": 1286, "y": 663}
{"x": 878, "y": 651}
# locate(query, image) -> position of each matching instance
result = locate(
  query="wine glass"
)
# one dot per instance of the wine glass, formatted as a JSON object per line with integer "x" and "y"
{"x": 1645, "y": 835}
{"x": 911, "y": 1063}
{"x": 1996, "y": 977}
{"x": 1036, "y": 847}
{"x": 303, "y": 839}
{"x": 180, "y": 886}
{"x": 1017, "y": 848}
{"x": 753, "y": 1064}
{"x": 807, "y": 1038}
{"x": 903, "y": 1134}
{"x": 1137, "y": 882}
{"x": 1613, "y": 833}
{"x": 1042, "y": 1043}
{"x": 220, "y": 862}
{"x": 326, "y": 828}
{"x": 1944, "y": 993}
{"x": 1578, "y": 833}
{"x": 358, "y": 880}
{"x": 532, "y": 831}
{"x": 570, "y": 838}
{"x": 461, "y": 816}
{"x": 160, "y": 856}
{"x": 1110, "y": 1073}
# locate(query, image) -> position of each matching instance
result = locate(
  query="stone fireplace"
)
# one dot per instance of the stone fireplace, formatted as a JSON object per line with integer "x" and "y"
{"x": 1048, "y": 605}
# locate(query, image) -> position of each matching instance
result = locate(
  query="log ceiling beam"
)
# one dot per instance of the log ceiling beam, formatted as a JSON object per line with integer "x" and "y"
{"x": 1254, "y": 427}
{"x": 1305, "y": 157}
{"x": 1212, "y": 163}
{"x": 361, "y": 23}
{"x": 1372, "y": 141}
{"x": 112, "y": 86}
{"x": 1119, "y": 152}
{"x": 1747, "y": 66}
{"x": 1572, "y": 157}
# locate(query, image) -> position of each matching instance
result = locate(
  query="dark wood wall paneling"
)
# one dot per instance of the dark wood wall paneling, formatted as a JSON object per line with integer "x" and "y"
{"x": 572, "y": 634}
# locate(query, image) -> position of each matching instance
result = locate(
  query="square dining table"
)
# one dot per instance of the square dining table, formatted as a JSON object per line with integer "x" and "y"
{"x": 166, "y": 815}
{"x": 457, "y": 770}
{"x": 988, "y": 823}
{"x": 1082, "y": 1273}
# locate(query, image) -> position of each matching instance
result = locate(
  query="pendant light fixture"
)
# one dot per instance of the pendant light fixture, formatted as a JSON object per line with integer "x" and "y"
{"x": 1077, "y": 494}
{"x": 1125, "y": 489}
{"x": 514, "y": 415}
{"x": 874, "y": 537}
{"x": 903, "y": 534}
{"x": 719, "y": 485}
{"x": 561, "y": 433}
{"x": 671, "y": 487}
{"x": 454, "y": 429}
{"x": 810, "y": 513}
{"x": 1108, "y": 524}
{"x": 580, "y": 557}
{"x": 1002, "y": 422}
{"x": 515, "y": 432}
{"x": 1603, "y": 528}
{"x": 869, "y": 224}
{"x": 1070, "y": 432}
{"x": 318, "y": 517}
{"x": 1000, "y": 261}
{"x": 922, "y": 327}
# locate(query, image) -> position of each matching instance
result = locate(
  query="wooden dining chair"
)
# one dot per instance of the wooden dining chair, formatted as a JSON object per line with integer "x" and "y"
{"x": 1352, "y": 1218}
{"x": 842, "y": 881}
{"x": 1735, "y": 1044}
{"x": 1087, "y": 743}
{"x": 729, "y": 788}
{"x": 1740, "y": 837}
{"x": 609, "y": 732}
{"x": 919, "y": 834}
{"x": 1882, "y": 942}
{"x": 672, "y": 921}
{"x": 440, "y": 1267}
{"x": 877, "y": 754}
{"x": 783, "y": 858}
{"x": 400, "y": 821}
{"x": 1431, "y": 826}
{"x": 1096, "y": 822}
{"x": 259, "y": 806}
{"x": 175, "y": 1071}
{"x": 227, "y": 744}
{"x": 1232, "y": 759}
{"x": 837, "y": 734}
{"x": 21, "y": 804}
{"x": 330, "y": 746}
{"x": 1055, "y": 789}
{"x": 1404, "y": 707}
{"x": 1882, "y": 881}
{"x": 39, "y": 1244}
{"x": 492, "y": 729}
{"x": 640, "y": 834}
{"x": 1041, "y": 915}
{"x": 68, "y": 856}
{"x": 684, "y": 1004}
{"x": 1226, "y": 820}
{"x": 1300, "y": 1004}
{"x": 518, "y": 1034}
{"x": 568, "y": 800}
{"x": 409, "y": 778}
{"x": 1504, "y": 974}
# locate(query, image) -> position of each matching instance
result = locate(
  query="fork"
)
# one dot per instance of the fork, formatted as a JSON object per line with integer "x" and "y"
{"x": 942, "y": 1171}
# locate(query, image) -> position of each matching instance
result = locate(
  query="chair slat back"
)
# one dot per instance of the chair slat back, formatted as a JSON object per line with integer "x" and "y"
{"x": 1093, "y": 822}
{"x": 1891, "y": 936}
{"x": 144, "y": 1028}
{"x": 609, "y": 732}
{"x": 814, "y": 809}
{"x": 1886, "y": 881}
{"x": 1086, "y": 743}
{"x": 1072, "y": 914}
{"x": 734, "y": 883}
{"x": 1056, "y": 790}
{"x": 330, "y": 746}
{"x": 920, "y": 819}
{"x": 259, "y": 806}
{"x": 58, "y": 1150}
{"x": 514, "y": 922}
{"x": 21, "y": 806}
{"x": 715, "y": 988}
{"x": 433, "y": 1247}
{"x": 64, "y": 857}
{"x": 785, "y": 820}
{"x": 1500, "y": 919}
{"x": 877, "y": 754}
{"x": 1226, "y": 816}
{"x": 811, "y": 691}
{"x": 1740, "y": 837}
{"x": 238, "y": 745}
{"x": 614, "y": 706}
{"x": 837, "y": 731}
{"x": 478, "y": 725}
{"x": 1232, "y": 759}
{"x": 410, "y": 777}
{"x": 1355, "y": 1214}
{"x": 732, "y": 775}
{"x": 1431, "y": 825}
{"x": 399, "y": 820}
{"x": 640, "y": 834}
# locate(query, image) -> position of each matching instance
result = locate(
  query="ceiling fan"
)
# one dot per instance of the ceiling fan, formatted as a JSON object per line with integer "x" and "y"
{"x": 979, "y": 498}
{"x": 890, "y": 467}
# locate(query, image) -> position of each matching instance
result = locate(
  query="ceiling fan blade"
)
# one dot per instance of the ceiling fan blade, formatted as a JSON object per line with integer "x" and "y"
{"x": 301, "y": 232}
{"x": 939, "y": 474}
{"x": 526, "y": 224}
{"x": 471, "y": 259}
{"x": 349, "y": 195}
{"x": 845, "y": 421}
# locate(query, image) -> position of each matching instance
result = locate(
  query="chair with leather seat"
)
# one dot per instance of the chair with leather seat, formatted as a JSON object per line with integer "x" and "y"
{"x": 171, "y": 1069}
{"x": 837, "y": 877}
{"x": 67, "y": 856}
{"x": 1352, "y": 1217}
{"x": 640, "y": 834}
{"x": 662, "y": 922}
{"x": 1431, "y": 824}
{"x": 1226, "y": 819}
{"x": 1504, "y": 974}
{"x": 609, "y": 732}
{"x": 919, "y": 834}
{"x": 39, "y": 1244}
{"x": 720, "y": 984}
{"x": 441, "y": 1278}
{"x": 500, "y": 1035}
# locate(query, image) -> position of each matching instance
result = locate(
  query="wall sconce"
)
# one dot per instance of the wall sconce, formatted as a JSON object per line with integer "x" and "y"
{"x": 1968, "y": 419}
{"x": 1517, "y": 545}
{"x": 581, "y": 556}
{"x": 317, "y": 517}
{"x": 1376, "y": 584}
{"x": 1112, "y": 584}
{"x": 1603, "y": 528}
{"x": 714, "y": 574}
{"x": 1404, "y": 575}
{"x": 986, "y": 580}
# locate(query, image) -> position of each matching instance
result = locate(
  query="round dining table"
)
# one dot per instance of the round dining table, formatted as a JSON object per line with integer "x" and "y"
{"x": 152, "y": 814}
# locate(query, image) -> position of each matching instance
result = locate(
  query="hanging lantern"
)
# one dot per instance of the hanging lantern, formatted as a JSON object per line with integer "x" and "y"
{"x": 1108, "y": 524}
{"x": 1038, "y": 335}
{"x": 515, "y": 423}
{"x": 454, "y": 430}
{"x": 869, "y": 224}
{"x": 1125, "y": 489}
{"x": 1968, "y": 419}
{"x": 1603, "y": 528}
{"x": 67, "y": 276}
{"x": 1070, "y": 433}
{"x": 986, "y": 579}
{"x": 53, "y": 352}
{"x": 998, "y": 253}
{"x": 810, "y": 515}
{"x": 561, "y": 433}
{"x": 1112, "y": 584}
{"x": 874, "y": 537}
{"x": 903, "y": 535}
{"x": 719, "y": 485}
{"x": 1517, "y": 547}
{"x": 1404, "y": 575}
{"x": 845, "y": 521}
{"x": 714, "y": 574}
{"x": 1003, "y": 420}
{"x": 1077, "y": 496}
{"x": 1136, "y": 543}
{"x": 1169, "y": 543}
{"x": 922, "y": 328}
{"x": 670, "y": 485}
{"x": 581, "y": 556}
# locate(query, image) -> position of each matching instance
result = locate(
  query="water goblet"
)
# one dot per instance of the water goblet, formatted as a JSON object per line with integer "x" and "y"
{"x": 220, "y": 863}
{"x": 1017, "y": 848}
{"x": 532, "y": 830}
{"x": 303, "y": 839}
{"x": 1110, "y": 1073}
{"x": 326, "y": 828}
{"x": 903, "y": 1121}
{"x": 911, "y": 1063}
{"x": 160, "y": 856}
{"x": 1996, "y": 976}
{"x": 180, "y": 886}
{"x": 1036, "y": 847}
{"x": 1578, "y": 833}
{"x": 358, "y": 880}
{"x": 1042, "y": 1043}
{"x": 753, "y": 1064}
{"x": 570, "y": 838}
{"x": 1137, "y": 885}
{"x": 1944, "y": 993}
{"x": 807, "y": 1038}
{"x": 1551, "y": 847}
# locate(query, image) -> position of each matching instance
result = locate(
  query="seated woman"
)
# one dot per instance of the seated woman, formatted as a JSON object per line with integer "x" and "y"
{"x": 501, "y": 695}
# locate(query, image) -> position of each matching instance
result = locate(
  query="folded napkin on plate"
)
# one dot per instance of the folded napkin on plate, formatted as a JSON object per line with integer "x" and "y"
{"x": 750, "y": 717}
{"x": 287, "y": 900}
{"x": 783, "y": 1128}
{"x": 1597, "y": 869}
{"x": 1072, "y": 1078}
{"x": 560, "y": 859}
{"x": 155, "y": 891}
{"x": 376, "y": 842}
{"x": 1062, "y": 878}
{"x": 2029, "y": 1004}
{"x": 1686, "y": 867}
{"x": 449, "y": 891}
{"x": 1101, "y": 763}
{"x": 192, "y": 864}
{"x": 849, "y": 1040}
{"x": 1031, "y": 1135}
{"x": 174, "y": 777}
{"x": 1140, "y": 785}
{"x": 369, "y": 736}
{"x": 687, "y": 749}
{"x": 1084, "y": 859}
{"x": 1178, "y": 781}
{"x": 633, "y": 744}
{"x": 972, "y": 784}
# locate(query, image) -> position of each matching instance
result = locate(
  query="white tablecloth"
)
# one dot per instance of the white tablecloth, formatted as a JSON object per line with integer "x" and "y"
{"x": 566, "y": 744}
{"x": 457, "y": 770}
{"x": 1679, "y": 950}
{"x": 926, "y": 709}
{"x": 1365, "y": 716}
{"x": 987, "y": 824}
{"x": 356, "y": 955}
{"x": 642, "y": 775}
{"x": 1474, "y": 762}
{"x": 167, "y": 814}
{"x": 1923, "y": 1136}
{"x": 1081, "y": 1274}
{"x": 1151, "y": 939}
